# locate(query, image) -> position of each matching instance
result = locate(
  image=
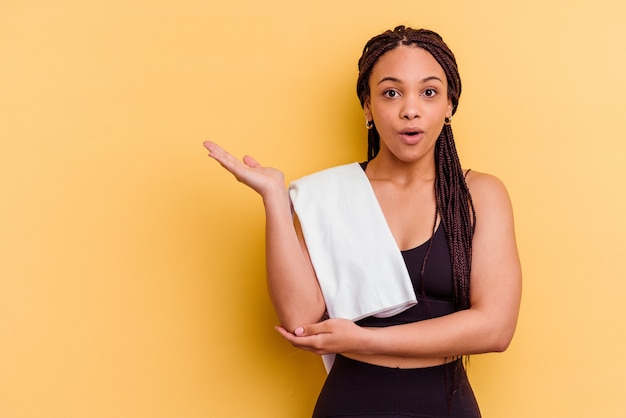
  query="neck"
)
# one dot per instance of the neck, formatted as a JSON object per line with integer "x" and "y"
{"x": 384, "y": 167}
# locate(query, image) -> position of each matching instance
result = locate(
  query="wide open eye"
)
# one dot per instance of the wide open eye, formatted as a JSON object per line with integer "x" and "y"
{"x": 430, "y": 92}
{"x": 391, "y": 93}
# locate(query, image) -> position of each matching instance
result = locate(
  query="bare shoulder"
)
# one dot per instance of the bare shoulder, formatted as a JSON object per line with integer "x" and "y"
{"x": 488, "y": 192}
{"x": 483, "y": 183}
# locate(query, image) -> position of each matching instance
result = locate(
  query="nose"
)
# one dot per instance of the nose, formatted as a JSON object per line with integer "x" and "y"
{"x": 410, "y": 108}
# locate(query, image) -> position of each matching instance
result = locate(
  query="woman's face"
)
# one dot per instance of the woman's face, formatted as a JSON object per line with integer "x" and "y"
{"x": 408, "y": 103}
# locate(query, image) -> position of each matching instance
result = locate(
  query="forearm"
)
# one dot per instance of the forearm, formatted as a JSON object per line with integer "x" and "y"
{"x": 292, "y": 285}
{"x": 470, "y": 331}
{"x": 495, "y": 289}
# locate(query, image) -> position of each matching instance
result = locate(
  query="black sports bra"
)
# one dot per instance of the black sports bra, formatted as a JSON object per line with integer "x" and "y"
{"x": 434, "y": 290}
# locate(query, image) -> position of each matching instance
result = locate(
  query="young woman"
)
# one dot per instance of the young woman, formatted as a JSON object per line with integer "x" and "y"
{"x": 452, "y": 228}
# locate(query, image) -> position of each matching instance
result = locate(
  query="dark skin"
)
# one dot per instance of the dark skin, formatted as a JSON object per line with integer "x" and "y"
{"x": 408, "y": 104}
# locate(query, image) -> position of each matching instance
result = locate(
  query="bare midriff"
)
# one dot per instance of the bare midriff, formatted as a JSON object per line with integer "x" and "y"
{"x": 399, "y": 362}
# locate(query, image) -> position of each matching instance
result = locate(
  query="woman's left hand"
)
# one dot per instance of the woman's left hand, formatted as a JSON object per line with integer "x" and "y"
{"x": 327, "y": 337}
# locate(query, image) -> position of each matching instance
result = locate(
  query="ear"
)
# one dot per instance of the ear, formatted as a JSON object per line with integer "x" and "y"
{"x": 367, "y": 109}
{"x": 449, "y": 109}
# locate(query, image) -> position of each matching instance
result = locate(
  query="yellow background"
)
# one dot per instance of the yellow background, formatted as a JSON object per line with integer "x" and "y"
{"x": 131, "y": 266}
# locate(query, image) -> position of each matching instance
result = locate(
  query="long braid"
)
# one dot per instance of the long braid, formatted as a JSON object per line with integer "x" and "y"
{"x": 453, "y": 200}
{"x": 454, "y": 204}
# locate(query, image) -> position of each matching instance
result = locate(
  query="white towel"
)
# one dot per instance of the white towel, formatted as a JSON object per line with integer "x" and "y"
{"x": 355, "y": 256}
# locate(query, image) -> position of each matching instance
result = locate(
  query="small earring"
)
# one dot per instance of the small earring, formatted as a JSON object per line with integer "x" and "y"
{"x": 369, "y": 124}
{"x": 447, "y": 120}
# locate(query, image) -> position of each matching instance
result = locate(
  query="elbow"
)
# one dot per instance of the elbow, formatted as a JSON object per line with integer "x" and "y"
{"x": 288, "y": 325}
{"x": 500, "y": 345}
{"x": 497, "y": 330}
{"x": 291, "y": 322}
{"x": 500, "y": 339}
{"x": 298, "y": 314}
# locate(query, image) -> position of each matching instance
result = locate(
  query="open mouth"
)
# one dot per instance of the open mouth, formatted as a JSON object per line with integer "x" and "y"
{"x": 412, "y": 136}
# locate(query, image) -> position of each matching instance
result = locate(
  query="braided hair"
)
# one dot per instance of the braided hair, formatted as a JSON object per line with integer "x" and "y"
{"x": 453, "y": 200}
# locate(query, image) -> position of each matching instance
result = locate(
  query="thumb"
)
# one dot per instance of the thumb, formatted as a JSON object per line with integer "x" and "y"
{"x": 250, "y": 162}
{"x": 312, "y": 329}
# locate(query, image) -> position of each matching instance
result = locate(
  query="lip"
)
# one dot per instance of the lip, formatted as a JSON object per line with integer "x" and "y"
{"x": 411, "y": 136}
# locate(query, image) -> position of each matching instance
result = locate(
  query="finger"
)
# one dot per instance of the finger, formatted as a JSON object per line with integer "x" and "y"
{"x": 251, "y": 162}
{"x": 228, "y": 161}
{"x": 211, "y": 146}
{"x": 214, "y": 149}
{"x": 217, "y": 152}
{"x": 282, "y": 331}
{"x": 292, "y": 339}
{"x": 310, "y": 343}
{"x": 312, "y": 329}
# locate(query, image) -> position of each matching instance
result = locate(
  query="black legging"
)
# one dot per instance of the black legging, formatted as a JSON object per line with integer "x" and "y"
{"x": 356, "y": 389}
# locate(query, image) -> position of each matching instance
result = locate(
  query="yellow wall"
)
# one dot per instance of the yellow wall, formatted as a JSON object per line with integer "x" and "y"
{"x": 131, "y": 266}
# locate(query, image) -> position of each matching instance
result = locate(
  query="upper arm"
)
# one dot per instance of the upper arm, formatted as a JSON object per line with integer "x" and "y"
{"x": 319, "y": 296}
{"x": 495, "y": 281}
{"x": 303, "y": 247}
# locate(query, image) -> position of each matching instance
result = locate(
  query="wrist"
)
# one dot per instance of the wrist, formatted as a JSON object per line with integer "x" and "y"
{"x": 276, "y": 201}
{"x": 277, "y": 193}
{"x": 368, "y": 343}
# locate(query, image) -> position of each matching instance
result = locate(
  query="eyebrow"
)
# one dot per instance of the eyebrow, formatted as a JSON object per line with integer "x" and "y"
{"x": 424, "y": 80}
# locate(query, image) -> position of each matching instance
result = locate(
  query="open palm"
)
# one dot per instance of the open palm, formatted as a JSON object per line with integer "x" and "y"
{"x": 263, "y": 180}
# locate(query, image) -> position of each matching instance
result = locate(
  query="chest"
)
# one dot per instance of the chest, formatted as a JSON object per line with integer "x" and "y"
{"x": 409, "y": 212}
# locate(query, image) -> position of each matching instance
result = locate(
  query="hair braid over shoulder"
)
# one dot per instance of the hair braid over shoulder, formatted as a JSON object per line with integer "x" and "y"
{"x": 453, "y": 200}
